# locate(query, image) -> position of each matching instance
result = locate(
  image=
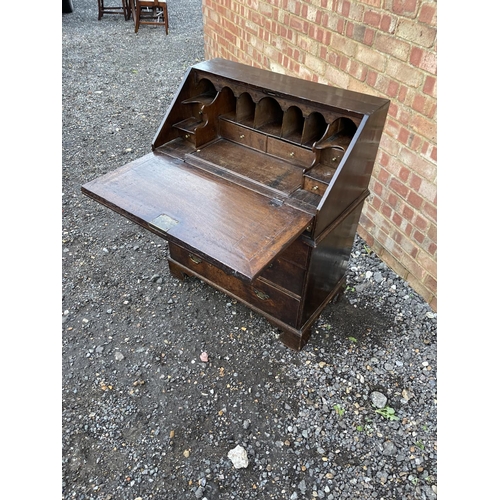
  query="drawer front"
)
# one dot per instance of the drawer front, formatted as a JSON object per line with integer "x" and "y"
{"x": 286, "y": 275}
{"x": 297, "y": 253}
{"x": 294, "y": 154}
{"x": 258, "y": 293}
{"x": 314, "y": 186}
{"x": 242, "y": 135}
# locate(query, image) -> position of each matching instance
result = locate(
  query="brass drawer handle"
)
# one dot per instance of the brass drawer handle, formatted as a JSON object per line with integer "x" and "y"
{"x": 242, "y": 136}
{"x": 195, "y": 259}
{"x": 261, "y": 295}
{"x": 292, "y": 154}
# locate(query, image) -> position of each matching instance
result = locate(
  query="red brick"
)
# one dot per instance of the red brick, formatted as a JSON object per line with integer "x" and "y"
{"x": 415, "y": 182}
{"x": 387, "y": 23}
{"x": 418, "y": 236}
{"x": 428, "y": 14}
{"x": 430, "y": 210}
{"x": 392, "y": 200}
{"x": 403, "y": 91}
{"x": 398, "y": 187}
{"x": 408, "y": 213}
{"x": 387, "y": 210}
{"x": 372, "y": 18}
{"x": 393, "y": 110}
{"x": 415, "y": 200}
{"x": 403, "y": 135}
{"x": 346, "y": 7}
{"x": 418, "y": 103}
{"x": 404, "y": 173}
{"x": 404, "y": 6}
{"x": 430, "y": 86}
{"x": 397, "y": 219}
{"x": 392, "y": 89}
{"x": 421, "y": 223}
{"x": 369, "y": 36}
{"x": 432, "y": 233}
{"x": 371, "y": 78}
{"x": 378, "y": 188}
{"x": 383, "y": 160}
{"x": 376, "y": 202}
{"x": 415, "y": 142}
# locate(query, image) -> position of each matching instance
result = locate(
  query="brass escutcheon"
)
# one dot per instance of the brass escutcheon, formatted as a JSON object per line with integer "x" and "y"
{"x": 195, "y": 259}
{"x": 261, "y": 295}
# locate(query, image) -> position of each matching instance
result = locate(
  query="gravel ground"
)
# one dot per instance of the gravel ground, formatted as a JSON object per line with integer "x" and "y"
{"x": 351, "y": 416}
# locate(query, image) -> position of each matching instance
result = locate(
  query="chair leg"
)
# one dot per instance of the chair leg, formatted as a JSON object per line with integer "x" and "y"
{"x": 165, "y": 16}
{"x": 99, "y": 6}
{"x": 137, "y": 15}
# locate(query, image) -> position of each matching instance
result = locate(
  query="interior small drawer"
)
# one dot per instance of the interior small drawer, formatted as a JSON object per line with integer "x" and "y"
{"x": 296, "y": 155}
{"x": 259, "y": 293}
{"x": 242, "y": 135}
{"x": 314, "y": 186}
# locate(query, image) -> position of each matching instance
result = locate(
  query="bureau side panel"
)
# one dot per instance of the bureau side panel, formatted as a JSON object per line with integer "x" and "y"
{"x": 353, "y": 177}
{"x": 328, "y": 264}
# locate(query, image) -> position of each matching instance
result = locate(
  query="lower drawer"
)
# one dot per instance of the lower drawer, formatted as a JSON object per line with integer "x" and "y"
{"x": 286, "y": 275}
{"x": 258, "y": 293}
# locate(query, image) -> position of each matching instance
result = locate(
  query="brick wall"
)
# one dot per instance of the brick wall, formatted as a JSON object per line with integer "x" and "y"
{"x": 380, "y": 47}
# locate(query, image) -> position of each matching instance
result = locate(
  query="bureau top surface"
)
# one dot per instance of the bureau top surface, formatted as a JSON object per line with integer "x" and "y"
{"x": 285, "y": 85}
{"x": 235, "y": 228}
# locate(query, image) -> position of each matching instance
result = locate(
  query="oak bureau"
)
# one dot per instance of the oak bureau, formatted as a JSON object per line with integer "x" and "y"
{"x": 257, "y": 181}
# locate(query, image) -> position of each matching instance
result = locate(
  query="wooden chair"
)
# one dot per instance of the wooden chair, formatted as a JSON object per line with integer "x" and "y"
{"x": 153, "y": 12}
{"x": 124, "y": 9}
